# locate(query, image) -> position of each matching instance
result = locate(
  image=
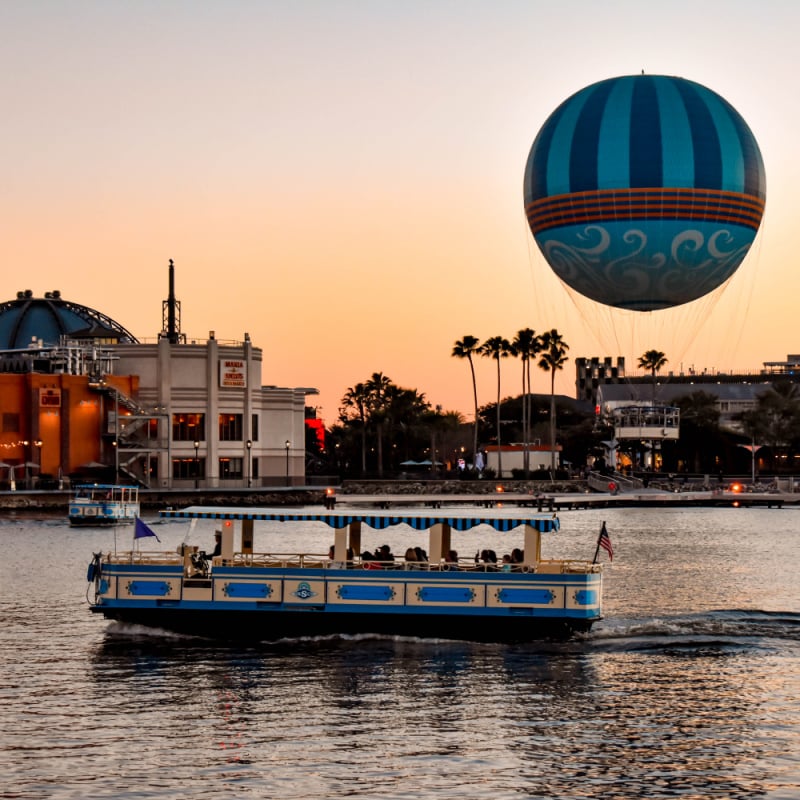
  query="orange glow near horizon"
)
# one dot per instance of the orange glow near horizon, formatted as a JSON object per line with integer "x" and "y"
{"x": 354, "y": 201}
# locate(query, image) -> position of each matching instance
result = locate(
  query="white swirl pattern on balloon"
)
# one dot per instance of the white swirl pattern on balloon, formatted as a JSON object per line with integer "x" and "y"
{"x": 628, "y": 269}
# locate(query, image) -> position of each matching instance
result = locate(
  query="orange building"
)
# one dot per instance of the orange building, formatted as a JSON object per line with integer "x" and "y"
{"x": 56, "y": 425}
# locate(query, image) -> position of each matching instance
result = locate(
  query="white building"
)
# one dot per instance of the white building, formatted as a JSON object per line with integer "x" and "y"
{"x": 201, "y": 416}
{"x": 513, "y": 457}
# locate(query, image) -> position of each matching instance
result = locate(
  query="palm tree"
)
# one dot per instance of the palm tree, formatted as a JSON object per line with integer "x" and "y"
{"x": 699, "y": 440}
{"x": 466, "y": 348}
{"x": 779, "y": 408}
{"x": 653, "y": 360}
{"x": 378, "y": 387}
{"x": 405, "y": 409}
{"x": 354, "y": 407}
{"x": 553, "y": 356}
{"x": 525, "y": 345}
{"x": 497, "y": 347}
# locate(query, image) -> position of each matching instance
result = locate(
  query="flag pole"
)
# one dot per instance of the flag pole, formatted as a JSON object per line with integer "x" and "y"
{"x": 597, "y": 548}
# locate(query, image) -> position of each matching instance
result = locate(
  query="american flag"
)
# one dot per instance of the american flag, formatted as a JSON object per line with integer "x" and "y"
{"x": 605, "y": 542}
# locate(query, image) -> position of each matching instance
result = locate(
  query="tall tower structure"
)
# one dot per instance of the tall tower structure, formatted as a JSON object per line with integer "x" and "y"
{"x": 171, "y": 313}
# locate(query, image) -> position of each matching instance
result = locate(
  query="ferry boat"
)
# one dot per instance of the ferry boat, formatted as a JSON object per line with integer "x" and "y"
{"x": 244, "y": 595}
{"x": 103, "y": 504}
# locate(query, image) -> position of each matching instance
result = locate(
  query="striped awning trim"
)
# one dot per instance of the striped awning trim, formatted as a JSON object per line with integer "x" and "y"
{"x": 379, "y": 520}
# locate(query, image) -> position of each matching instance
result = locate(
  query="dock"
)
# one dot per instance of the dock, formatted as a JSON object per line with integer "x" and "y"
{"x": 576, "y": 500}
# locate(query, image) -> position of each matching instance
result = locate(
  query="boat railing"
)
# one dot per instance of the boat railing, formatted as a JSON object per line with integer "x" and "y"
{"x": 562, "y": 566}
{"x": 319, "y": 561}
{"x": 153, "y": 557}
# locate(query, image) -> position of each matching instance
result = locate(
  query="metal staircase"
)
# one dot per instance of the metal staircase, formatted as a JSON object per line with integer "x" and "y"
{"x": 129, "y": 436}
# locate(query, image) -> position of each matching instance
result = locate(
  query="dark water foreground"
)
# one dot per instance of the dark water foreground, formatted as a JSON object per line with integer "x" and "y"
{"x": 689, "y": 688}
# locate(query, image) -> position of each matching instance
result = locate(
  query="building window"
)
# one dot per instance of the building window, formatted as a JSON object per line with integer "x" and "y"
{"x": 188, "y": 468}
{"x": 10, "y": 423}
{"x": 230, "y": 468}
{"x": 254, "y": 428}
{"x": 188, "y": 427}
{"x": 230, "y": 428}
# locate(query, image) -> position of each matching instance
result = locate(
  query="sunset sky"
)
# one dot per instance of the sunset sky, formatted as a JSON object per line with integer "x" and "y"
{"x": 343, "y": 180}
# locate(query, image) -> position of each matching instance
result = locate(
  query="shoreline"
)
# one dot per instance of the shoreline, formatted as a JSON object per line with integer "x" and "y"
{"x": 544, "y": 495}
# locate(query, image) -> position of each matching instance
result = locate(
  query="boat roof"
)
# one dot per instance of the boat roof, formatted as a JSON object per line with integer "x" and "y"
{"x": 501, "y": 519}
{"x": 104, "y": 486}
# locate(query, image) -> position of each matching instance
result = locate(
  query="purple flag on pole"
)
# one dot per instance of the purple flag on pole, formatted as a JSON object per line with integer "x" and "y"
{"x": 141, "y": 530}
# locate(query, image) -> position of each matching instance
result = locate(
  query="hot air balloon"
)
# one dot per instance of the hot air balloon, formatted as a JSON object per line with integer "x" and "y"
{"x": 644, "y": 192}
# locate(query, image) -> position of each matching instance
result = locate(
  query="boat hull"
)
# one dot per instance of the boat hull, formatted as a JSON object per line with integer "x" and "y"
{"x": 271, "y": 626}
{"x": 99, "y": 521}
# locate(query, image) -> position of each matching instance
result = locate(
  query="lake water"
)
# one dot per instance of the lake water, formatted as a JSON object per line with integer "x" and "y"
{"x": 690, "y": 686}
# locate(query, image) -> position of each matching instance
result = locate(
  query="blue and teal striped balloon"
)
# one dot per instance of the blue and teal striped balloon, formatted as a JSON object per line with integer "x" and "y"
{"x": 644, "y": 192}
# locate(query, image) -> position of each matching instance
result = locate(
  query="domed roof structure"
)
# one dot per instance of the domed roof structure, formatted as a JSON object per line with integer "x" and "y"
{"x": 32, "y": 319}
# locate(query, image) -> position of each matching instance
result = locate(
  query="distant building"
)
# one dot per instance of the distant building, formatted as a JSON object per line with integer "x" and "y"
{"x": 591, "y": 373}
{"x": 732, "y": 398}
{"x": 206, "y": 417}
{"x": 786, "y": 369}
{"x": 513, "y": 457}
{"x": 81, "y": 396}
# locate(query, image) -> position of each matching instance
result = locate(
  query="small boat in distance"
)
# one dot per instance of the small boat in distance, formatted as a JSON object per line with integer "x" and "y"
{"x": 241, "y": 594}
{"x": 96, "y": 504}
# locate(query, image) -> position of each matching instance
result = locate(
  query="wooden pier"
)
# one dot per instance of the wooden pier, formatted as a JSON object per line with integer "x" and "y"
{"x": 577, "y": 500}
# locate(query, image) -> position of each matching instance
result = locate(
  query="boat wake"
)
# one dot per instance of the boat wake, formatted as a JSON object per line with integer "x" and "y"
{"x": 128, "y": 630}
{"x": 724, "y": 628}
{"x": 712, "y": 632}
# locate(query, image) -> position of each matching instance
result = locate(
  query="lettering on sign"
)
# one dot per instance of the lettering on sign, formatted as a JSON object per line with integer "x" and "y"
{"x": 232, "y": 373}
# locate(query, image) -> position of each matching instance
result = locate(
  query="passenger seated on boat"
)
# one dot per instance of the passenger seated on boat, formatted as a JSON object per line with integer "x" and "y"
{"x": 517, "y": 557}
{"x": 368, "y": 561}
{"x": 349, "y": 561}
{"x": 199, "y": 561}
{"x": 217, "y": 551}
{"x": 411, "y": 559}
{"x": 385, "y": 556}
{"x": 422, "y": 556}
{"x": 506, "y": 565}
{"x": 451, "y": 561}
{"x": 487, "y": 560}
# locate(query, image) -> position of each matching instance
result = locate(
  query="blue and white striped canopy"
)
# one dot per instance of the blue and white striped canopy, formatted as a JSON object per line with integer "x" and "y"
{"x": 500, "y": 519}
{"x": 644, "y": 131}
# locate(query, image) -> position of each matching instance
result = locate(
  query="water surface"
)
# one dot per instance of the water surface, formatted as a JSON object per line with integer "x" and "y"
{"x": 690, "y": 687}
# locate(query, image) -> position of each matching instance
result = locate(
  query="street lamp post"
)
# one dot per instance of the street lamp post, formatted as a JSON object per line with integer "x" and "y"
{"x": 37, "y": 443}
{"x": 25, "y": 469}
{"x": 249, "y": 461}
{"x": 196, "y": 464}
{"x": 288, "y": 445}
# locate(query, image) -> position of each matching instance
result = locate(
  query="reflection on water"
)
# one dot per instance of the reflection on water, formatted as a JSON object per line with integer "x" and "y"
{"x": 689, "y": 687}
